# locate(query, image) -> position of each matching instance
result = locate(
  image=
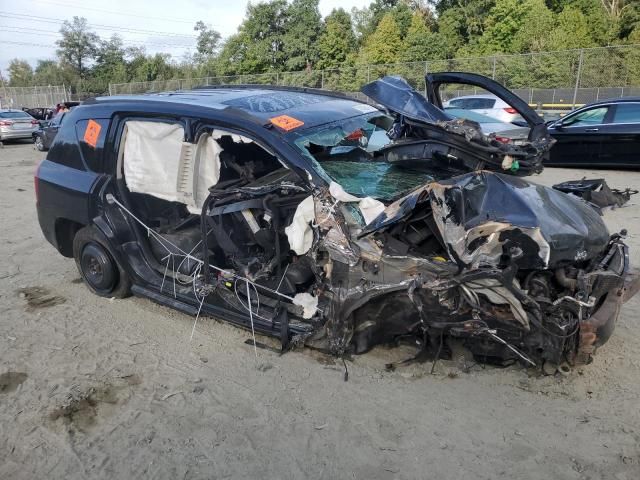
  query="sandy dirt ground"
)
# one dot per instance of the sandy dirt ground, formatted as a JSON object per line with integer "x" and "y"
{"x": 114, "y": 389}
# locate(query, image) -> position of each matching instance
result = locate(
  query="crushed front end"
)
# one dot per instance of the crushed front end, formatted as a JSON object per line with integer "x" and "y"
{"x": 513, "y": 270}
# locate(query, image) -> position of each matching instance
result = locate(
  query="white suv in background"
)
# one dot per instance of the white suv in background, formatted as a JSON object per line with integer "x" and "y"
{"x": 489, "y": 105}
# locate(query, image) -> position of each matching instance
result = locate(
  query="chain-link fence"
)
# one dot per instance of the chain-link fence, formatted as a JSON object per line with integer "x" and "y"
{"x": 562, "y": 78}
{"x": 31, "y": 97}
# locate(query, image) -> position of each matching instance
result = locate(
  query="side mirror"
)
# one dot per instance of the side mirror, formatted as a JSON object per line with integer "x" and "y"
{"x": 559, "y": 124}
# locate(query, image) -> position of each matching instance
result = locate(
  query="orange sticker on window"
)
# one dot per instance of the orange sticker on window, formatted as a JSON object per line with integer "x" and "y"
{"x": 92, "y": 133}
{"x": 285, "y": 122}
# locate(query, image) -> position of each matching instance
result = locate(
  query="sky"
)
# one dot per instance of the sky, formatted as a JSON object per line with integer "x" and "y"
{"x": 29, "y": 28}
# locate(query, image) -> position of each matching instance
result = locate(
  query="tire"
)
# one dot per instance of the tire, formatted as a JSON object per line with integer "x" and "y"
{"x": 38, "y": 143}
{"x": 101, "y": 273}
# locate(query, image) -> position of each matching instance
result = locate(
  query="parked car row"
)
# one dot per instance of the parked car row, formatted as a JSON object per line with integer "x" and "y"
{"x": 603, "y": 134}
{"x": 39, "y": 124}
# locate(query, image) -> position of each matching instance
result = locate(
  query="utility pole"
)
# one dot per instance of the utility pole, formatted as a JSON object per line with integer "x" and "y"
{"x": 426, "y": 72}
{"x": 578, "y": 75}
{"x": 4, "y": 90}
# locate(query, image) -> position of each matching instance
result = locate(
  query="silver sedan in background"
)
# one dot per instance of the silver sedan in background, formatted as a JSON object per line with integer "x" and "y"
{"x": 16, "y": 124}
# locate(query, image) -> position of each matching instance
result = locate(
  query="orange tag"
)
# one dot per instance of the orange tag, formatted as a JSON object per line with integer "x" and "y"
{"x": 285, "y": 122}
{"x": 92, "y": 133}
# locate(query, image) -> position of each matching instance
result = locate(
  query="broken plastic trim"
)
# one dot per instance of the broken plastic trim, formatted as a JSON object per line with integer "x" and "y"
{"x": 597, "y": 191}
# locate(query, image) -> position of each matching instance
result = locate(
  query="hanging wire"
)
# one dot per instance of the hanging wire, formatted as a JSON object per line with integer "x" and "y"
{"x": 111, "y": 199}
{"x": 282, "y": 278}
{"x": 195, "y": 322}
{"x": 165, "y": 272}
{"x": 253, "y": 332}
{"x": 235, "y": 289}
{"x": 492, "y": 334}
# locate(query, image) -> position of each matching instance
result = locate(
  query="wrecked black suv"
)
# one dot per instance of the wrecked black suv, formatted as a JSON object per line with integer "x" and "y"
{"x": 332, "y": 223}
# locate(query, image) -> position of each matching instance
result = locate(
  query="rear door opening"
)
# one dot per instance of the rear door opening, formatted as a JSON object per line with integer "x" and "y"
{"x": 219, "y": 209}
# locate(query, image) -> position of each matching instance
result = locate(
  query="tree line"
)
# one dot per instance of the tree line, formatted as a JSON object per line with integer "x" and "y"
{"x": 279, "y": 36}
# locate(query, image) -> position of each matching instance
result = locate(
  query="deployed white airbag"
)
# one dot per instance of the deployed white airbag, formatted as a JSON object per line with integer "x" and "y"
{"x": 208, "y": 165}
{"x": 152, "y": 158}
{"x": 308, "y": 302}
{"x": 299, "y": 233}
{"x": 369, "y": 207}
{"x": 158, "y": 162}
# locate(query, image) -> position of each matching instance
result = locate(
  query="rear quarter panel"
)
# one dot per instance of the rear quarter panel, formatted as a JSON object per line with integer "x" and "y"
{"x": 65, "y": 184}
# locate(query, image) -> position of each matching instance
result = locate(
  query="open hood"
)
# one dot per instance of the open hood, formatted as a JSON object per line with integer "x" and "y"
{"x": 434, "y": 81}
{"x": 396, "y": 95}
{"x": 424, "y": 136}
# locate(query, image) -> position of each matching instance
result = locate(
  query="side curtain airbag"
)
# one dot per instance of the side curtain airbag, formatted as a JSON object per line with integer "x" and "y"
{"x": 208, "y": 165}
{"x": 158, "y": 162}
{"x": 152, "y": 158}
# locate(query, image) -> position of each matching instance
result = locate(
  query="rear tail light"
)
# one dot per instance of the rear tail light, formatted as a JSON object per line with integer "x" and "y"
{"x": 5, "y": 123}
{"x": 503, "y": 139}
{"x": 34, "y": 122}
{"x": 510, "y": 110}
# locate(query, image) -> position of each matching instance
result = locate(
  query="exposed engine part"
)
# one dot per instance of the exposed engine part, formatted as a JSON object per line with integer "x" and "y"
{"x": 564, "y": 280}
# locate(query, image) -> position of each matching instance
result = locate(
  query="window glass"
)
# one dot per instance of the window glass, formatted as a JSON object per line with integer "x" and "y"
{"x": 341, "y": 151}
{"x": 65, "y": 148}
{"x": 92, "y": 155}
{"x": 14, "y": 115}
{"x": 474, "y": 116}
{"x": 57, "y": 120}
{"x": 478, "y": 103}
{"x": 627, "y": 113}
{"x": 593, "y": 116}
{"x": 472, "y": 103}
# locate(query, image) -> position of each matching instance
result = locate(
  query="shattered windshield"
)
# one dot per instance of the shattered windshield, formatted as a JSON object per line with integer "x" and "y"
{"x": 345, "y": 152}
{"x": 379, "y": 180}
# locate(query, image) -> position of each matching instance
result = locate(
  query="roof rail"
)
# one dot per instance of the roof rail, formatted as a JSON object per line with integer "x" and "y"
{"x": 283, "y": 88}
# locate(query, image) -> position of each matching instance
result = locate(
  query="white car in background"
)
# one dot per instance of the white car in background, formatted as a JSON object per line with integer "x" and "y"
{"x": 489, "y": 105}
{"x": 489, "y": 124}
